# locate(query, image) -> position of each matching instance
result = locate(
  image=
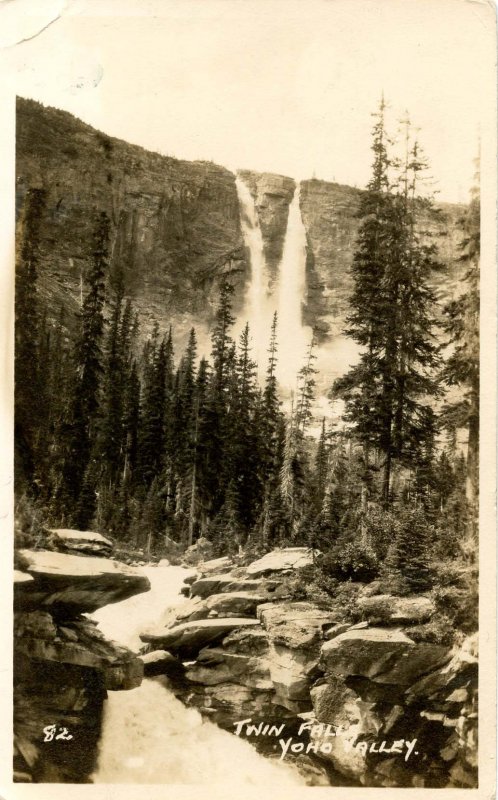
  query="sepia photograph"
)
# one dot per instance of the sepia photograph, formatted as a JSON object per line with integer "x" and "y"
{"x": 252, "y": 253}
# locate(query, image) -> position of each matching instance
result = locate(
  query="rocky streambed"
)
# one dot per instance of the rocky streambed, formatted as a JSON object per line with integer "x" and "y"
{"x": 362, "y": 703}
{"x": 342, "y": 703}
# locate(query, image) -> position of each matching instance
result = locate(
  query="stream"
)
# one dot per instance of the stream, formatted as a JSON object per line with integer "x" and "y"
{"x": 148, "y": 735}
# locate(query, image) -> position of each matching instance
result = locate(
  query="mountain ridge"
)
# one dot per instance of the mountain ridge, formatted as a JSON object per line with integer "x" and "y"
{"x": 175, "y": 224}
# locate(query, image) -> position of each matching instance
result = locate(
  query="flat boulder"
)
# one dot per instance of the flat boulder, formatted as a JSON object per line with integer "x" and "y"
{"x": 188, "y": 638}
{"x": 215, "y": 565}
{"x": 217, "y": 584}
{"x": 396, "y": 610}
{"x": 86, "y": 543}
{"x": 70, "y": 584}
{"x": 286, "y": 558}
{"x": 160, "y": 662}
{"x": 298, "y": 625}
{"x": 215, "y": 665}
{"x": 237, "y": 604}
{"x": 383, "y": 655}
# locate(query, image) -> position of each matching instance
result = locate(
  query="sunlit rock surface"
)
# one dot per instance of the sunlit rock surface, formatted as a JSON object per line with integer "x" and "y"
{"x": 72, "y": 584}
{"x": 80, "y": 542}
{"x": 277, "y": 560}
{"x": 189, "y": 637}
{"x": 366, "y": 688}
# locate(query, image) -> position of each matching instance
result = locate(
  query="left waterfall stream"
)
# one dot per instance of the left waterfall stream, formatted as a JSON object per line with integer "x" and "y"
{"x": 148, "y": 736}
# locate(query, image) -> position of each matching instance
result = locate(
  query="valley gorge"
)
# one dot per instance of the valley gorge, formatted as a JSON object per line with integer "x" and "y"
{"x": 249, "y": 567}
{"x": 176, "y": 230}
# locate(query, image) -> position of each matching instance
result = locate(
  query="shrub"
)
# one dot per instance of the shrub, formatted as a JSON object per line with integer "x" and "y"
{"x": 460, "y": 604}
{"x": 409, "y": 556}
{"x": 377, "y": 612}
{"x": 354, "y": 561}
{"x": 440, "y": 630}
{"x": 305, "y": 584}
{"x": 29, "y": 524}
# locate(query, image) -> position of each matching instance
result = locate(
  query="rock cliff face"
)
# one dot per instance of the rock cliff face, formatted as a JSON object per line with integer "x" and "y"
{"x": 272, "y": 196}
{"x": 364, "y": 702}
{"x": 330, "y": 217}
{"x": 175, "y": 224}
{"x": 63, "y": 665}
{"x": 176, "y": 227}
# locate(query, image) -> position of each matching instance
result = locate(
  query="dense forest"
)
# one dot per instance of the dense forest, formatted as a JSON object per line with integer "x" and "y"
{"x": 157, "y": 448}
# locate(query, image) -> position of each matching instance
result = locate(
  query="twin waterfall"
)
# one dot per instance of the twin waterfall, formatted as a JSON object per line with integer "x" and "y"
{"x": 286, "y": 299}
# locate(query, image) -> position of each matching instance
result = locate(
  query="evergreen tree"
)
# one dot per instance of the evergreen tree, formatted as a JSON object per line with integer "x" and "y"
{"x": 213, "y": 458}
{"x": 87, "y": 381}
{"x": 462, "y": 366}
{"x": 410, "y": 555}
{"x": 243, "y": 448}
{"x": 110, "y": 445}
{"x": 152, "y": 412}
{"x": 306, "y": 391}
{"x": 388, "y": 393}
{"x": 271, "y": 426}
{"x": 321, "y": 467}
{"x": 29, "y": 366}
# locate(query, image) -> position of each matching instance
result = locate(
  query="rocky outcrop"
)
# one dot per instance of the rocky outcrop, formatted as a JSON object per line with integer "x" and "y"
{"x": 287, "y": 558}
{"x": 69, "y": 584}
{"x": 418, "y": 728}
{"x": 383, "y": 655}
{"x": 76, "y": 641}
{"x": 330, "y": 216}
{"x": 63, "y": 665}
{"x": 174, "y": 224}
{"x": 365, "y": 701}
{"x": 188, "y": 638}
{"x": 85, "y": 543}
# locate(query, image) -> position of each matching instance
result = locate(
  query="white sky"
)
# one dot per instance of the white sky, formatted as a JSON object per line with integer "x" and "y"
{"x": 273, "y": 85}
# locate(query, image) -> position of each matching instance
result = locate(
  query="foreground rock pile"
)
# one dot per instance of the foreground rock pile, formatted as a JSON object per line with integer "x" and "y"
{"x": 63, "y": 665}
{"x": 365, "y": 701}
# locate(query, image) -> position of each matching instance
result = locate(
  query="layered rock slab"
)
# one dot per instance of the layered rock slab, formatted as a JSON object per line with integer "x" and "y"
{"x": 71, "y": 584}
{"x": 188, "y": 638}
{"x": 287, "y": 558}
{"x": 80, "y": 542}
{"x": 381, "y": 654}
{"x": 63, "y": 665}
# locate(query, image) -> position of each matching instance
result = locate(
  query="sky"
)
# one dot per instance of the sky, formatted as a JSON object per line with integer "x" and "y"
{"x": 271, "y": 85}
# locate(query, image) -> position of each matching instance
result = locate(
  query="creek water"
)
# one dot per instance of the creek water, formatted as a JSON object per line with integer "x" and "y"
{"x": 148, "y": 735}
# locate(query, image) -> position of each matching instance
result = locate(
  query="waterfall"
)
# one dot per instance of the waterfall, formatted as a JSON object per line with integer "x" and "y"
{"x": 149, "y": 736}
{"x": 260, "y": 304}
{"x": 257, "y": 311}
{"x": 293, "y": 336}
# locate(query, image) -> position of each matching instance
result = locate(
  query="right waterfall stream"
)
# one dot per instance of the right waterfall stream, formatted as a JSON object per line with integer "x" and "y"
{"x": 289, "y": 294}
